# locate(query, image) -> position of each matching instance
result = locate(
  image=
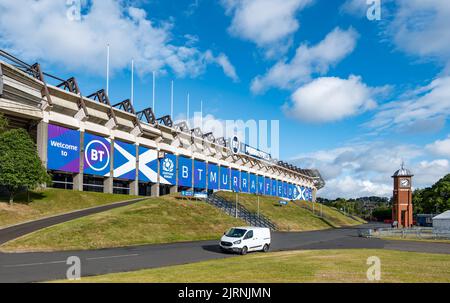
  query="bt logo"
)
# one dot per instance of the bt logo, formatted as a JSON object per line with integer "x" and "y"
{"x": 97, "y": 155}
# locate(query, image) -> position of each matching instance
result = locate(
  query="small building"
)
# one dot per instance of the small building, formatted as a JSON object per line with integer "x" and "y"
{"x": 441, "y": 223}
{"x": 425, "y": 220}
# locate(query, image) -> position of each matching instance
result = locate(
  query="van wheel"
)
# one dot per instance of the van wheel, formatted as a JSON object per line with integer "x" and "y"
{"x": 244, "y": 250}
{"x": 266, "y": 248}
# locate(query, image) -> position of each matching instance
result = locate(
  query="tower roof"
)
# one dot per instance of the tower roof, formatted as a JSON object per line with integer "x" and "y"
{"x": 403, "y": 172}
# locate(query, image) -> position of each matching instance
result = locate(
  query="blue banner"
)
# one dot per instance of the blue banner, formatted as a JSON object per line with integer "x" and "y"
{"x": 225, "y": 178}
{"x": 261, "y": 185}
{"x": 294, "y": 192}
{"x": 253, "y": 183}
{"x": 285, "y": 192}
{"x": 213, "y": 176}
{"x": 235, "y": 180}
{"x": 168, "y": 169}
{"x": 124, "y": 160}
{"x": 244, "y": 182}
{"x": 184, "y": 171}
{"x": 63, "y": 149}
{"x": 97, "y": 158}
{"x": 290, "y": 191}
{"x": 199, "y": 174}
{"x": 268, "y": 187}
{"x": 279, "y": 188}
{"x": 274, "y": 187}
{"x": 148, "y": 165}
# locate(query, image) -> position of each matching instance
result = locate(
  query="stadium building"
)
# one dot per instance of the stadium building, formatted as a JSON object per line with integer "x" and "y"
{"x": 89, "y": 143}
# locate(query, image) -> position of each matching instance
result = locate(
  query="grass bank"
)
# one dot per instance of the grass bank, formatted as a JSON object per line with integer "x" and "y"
{"x": 296, "y": 216}
{"x": 48, "y": 202}
{"x": 298, "y": 266}
{"x": 155, "y": 220}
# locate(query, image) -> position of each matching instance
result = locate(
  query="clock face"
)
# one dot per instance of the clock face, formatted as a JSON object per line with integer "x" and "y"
{"x": 404, "y": 183}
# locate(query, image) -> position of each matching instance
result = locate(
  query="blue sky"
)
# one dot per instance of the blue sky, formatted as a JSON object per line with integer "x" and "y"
{"x": 354, "y": 96}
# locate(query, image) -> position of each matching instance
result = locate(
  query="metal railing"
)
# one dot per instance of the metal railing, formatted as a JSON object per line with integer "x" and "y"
{"x": 423, "y": 233}
{"x": 229, "y": 208}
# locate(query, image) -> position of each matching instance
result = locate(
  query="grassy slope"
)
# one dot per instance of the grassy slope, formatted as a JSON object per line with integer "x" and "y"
{"x": 51, "y": 202}
{"x": 156, "y": 220}
{"x": 291, "y": 217}
{"x": 298, "y": 266}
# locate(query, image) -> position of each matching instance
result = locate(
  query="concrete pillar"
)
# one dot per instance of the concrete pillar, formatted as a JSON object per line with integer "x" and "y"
{"x": 134, "y": 184}
{"x": 42, "y": 141}
{"x": 155, "y": 190}
{"x": 108, "y": 182}
{"x": 78, "y": 178}
{"x": 173, "y": 189}
{"x": 314, "y": 194}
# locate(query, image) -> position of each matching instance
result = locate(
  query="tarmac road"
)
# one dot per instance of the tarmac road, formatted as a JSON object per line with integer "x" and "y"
{"x": 32, "y": 267}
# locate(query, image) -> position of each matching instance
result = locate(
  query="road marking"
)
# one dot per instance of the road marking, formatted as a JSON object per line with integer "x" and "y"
{"x": 57, "y": 262}
{"x": 34, "y": 264}
{"x": 109, "y": 257}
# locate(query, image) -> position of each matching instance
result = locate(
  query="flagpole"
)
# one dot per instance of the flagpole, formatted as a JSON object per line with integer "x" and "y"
{"x": 107, "y": 69}
{"x": 154, "y": 81}
{"x": 171, "y": 99}
{"x": 132, "y": 82}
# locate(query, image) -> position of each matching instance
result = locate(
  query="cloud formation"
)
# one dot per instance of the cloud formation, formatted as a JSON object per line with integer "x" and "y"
{"x": 47, "y": 31}
{"x": 365, "y": 169}
{"x": 268, "y": 23}
{"x": 423, "y": 108}
{"x": 330, "y": 99}
{"x": 308, "y": 61}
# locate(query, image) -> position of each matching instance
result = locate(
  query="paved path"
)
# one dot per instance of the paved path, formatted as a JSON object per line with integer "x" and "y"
{"x": 30, "y": 267}
{"x": 13, "y": 232}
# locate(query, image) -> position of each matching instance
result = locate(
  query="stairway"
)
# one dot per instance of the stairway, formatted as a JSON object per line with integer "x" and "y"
{"x": 230, "y": 208}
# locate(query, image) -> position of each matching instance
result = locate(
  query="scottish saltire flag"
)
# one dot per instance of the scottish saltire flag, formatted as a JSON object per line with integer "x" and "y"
{"x": 148, "y": 165}
{"x": 124, "y": 160}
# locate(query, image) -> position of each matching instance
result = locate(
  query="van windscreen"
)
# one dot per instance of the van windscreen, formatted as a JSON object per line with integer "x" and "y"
{"x": 235, "y": 233}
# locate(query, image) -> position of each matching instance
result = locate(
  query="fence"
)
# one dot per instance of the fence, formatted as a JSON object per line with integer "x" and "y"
{"x": 423, "y": 233}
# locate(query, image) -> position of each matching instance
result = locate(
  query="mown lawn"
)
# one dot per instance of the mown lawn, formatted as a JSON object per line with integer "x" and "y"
{"x": 155, "y": 220}
{"x": 298, "y": 266}
{"x": 296, "y": 216}
{"x": 52, "y": 202}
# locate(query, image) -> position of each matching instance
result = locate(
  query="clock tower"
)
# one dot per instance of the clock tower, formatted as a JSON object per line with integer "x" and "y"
{"x": 402, "y": 209}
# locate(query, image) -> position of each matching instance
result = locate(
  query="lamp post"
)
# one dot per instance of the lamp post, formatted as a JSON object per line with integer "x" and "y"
{"x": 258, "y": 206}
{"x": 236, "y": 205}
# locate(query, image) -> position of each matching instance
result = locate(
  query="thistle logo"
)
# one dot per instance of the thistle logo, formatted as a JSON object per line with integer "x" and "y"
{"x": 97, "y": 155}
{"x": 168, "y": 165}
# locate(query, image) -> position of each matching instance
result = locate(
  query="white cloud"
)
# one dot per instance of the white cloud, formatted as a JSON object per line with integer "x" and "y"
{"x": 440, "y": 147}
{"x": 330, "y": 99}
{"x": 421, "y": 28}
{"x": 268, "y": 23}
{"x": 365, "y": 169}
{"x": 43, "y": 31}
{"x": 308, "y": 60}
{"x": 357, "y": 8}
{"x": 424, "y": 108}
{"x": 223, "y": 61}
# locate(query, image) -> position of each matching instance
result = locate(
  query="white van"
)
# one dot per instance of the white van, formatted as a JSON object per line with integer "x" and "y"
{"x": 245, "y": 239}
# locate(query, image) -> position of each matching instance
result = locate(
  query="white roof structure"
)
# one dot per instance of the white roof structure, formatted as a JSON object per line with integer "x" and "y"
{"x": 444, "y": 215}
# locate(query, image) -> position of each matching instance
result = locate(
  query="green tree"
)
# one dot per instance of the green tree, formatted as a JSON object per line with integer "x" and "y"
{"x": 3, "y": 123}
{"x": 434, "y": 199}
{"x": 20, "y": 166}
